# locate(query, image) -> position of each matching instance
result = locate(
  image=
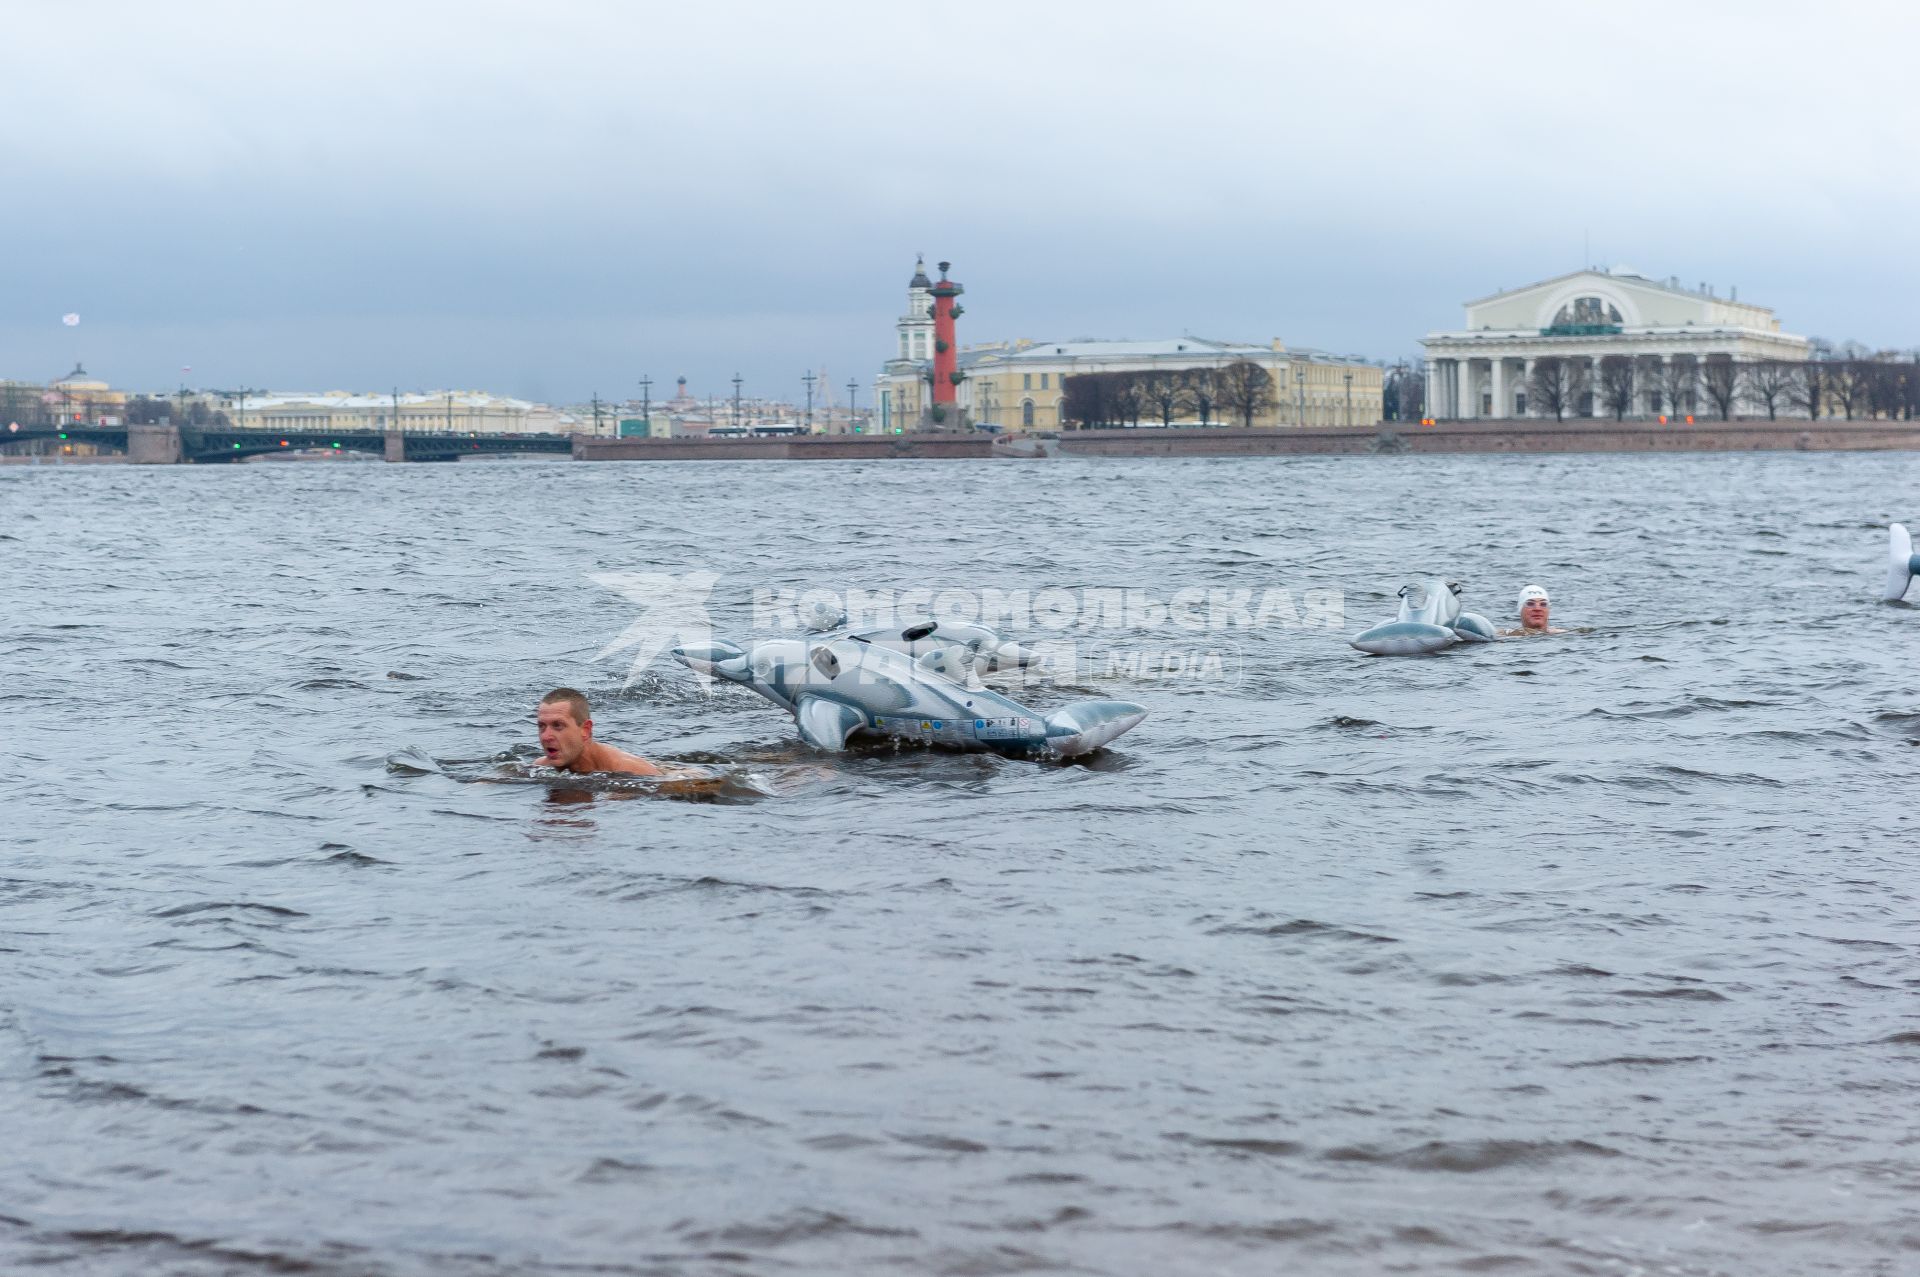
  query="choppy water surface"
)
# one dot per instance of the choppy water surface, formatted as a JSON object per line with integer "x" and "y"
{"x": 1592, "y": 955}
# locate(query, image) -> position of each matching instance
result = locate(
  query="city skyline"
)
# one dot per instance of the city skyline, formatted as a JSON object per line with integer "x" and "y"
{"x": 697, "y": 198}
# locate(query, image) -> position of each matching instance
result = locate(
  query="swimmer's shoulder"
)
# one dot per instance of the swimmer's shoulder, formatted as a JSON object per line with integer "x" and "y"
{"x": 622, "y": 763}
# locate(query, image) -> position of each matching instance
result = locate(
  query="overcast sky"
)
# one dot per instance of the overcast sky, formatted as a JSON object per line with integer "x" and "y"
{"x": 551, "y": 200}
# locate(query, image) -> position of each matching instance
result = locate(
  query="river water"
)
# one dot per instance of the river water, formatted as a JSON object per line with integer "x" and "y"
{"x": 1595, "y": 954}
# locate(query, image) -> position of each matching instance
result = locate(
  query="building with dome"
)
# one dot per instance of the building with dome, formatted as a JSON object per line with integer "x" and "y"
{"x": 1670, "y": 336}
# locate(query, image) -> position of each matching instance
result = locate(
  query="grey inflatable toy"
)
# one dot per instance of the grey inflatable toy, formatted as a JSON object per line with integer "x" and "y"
{"x": 1902, "y": 563}
{"x": 837, "y": 688}
{"x": 1430, "y": 620}
{"x": 975, "y": 647}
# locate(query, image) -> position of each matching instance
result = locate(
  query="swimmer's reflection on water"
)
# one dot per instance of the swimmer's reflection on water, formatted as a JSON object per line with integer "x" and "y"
{"x": 567, "y": 744}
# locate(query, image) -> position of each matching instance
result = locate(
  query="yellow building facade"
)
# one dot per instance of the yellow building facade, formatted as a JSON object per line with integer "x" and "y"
{"x": 1018, "y": 385}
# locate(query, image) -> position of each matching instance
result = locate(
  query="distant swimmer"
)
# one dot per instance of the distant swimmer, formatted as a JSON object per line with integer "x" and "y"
{"x": 1533, "y": 615}
{"x": 567, "y": 743}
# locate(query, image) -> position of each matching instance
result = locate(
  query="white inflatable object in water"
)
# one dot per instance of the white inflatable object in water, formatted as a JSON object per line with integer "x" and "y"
{"x": 973, "y": 647}
{"x": 1430, "y": 620}
{"x": 839, "y": 687}
{"x": 1902, "y": 562}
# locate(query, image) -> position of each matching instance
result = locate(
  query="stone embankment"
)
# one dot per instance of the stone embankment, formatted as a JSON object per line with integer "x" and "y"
{"x": 1519, "y": 436}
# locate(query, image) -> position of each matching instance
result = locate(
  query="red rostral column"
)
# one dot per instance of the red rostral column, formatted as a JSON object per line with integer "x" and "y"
{"x": 946, "y": 354}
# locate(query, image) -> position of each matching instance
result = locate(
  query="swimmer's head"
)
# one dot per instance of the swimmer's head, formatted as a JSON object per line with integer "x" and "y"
{"x": 566, "y": 727}
{"x": 1533, "y": 608}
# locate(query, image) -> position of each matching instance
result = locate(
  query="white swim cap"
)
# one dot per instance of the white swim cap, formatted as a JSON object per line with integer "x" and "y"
{"x": 1531, "y": 593}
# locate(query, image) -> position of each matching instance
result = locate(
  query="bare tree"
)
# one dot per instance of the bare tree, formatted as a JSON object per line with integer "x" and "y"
{"x": 1721, "y": 382}
{"x": 1846, "y": 383}
{"x": 1676, "y": 384}
{"x": 1887, "y": 390}
{"x": 1245, "y": 389}
{"x": 1083, "y": 400}
{"x": 1202, "y": 392}
{"x": 1165, "y": 391}
{"x": 1126, "y": 397}
{"x": 1616, "y": 385}
{"x": 143, "y": 411}
{"x": 1809, "y": 388}
{"x": 1404, "y": 394}
{"x": 1771, "y": 383}
{"x": 1557, "y": 384}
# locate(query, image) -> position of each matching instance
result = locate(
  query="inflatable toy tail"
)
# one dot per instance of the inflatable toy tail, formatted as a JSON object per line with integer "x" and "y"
{"x": 1404, "y": 638}
{"x": 1085, "y": 727}
{"x": 1471, "y": 627}
{"x": 1902, "y": 562}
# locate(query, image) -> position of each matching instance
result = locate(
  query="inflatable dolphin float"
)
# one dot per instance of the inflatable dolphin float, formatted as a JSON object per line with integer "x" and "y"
{"x": 838, "y": 688}
{"x": 1902, "y": 563}
{"x": 1430, "y": 620}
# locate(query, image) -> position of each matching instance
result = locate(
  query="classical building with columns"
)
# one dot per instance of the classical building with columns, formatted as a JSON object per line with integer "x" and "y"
{"x": 1670, "y": 333}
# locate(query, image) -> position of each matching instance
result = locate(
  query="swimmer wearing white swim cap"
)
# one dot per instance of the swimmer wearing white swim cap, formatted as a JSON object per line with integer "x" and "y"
{"x": 1534, "y": 606}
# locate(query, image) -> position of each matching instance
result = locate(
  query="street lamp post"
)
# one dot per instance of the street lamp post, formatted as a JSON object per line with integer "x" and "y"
{"x": 853, "y": 418}
{"x": 646, "y": 402}
{"x": 736, "y": 401}
{"x": 1299, "y": 396}
{"x": 809, "y": 379}
{"x": 1349, "y": 399}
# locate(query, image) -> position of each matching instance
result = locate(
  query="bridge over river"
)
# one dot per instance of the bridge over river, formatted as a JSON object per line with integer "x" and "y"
{"x": 176, "y": 445}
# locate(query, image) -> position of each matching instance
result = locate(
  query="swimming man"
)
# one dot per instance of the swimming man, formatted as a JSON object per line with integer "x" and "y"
{"x": 1534, "y": 606}
{"x": 567, "y": 743}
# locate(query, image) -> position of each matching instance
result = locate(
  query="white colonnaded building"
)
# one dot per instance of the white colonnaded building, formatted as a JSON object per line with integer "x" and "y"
{"x": 1670, "y": 334}
{"x": 448, "y": 411}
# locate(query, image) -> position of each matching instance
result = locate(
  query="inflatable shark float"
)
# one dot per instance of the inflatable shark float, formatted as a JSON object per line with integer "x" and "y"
{"x": 1430, "y": 620}
{"x": 840, "y": 687}
{"x": 1902, "y": 563}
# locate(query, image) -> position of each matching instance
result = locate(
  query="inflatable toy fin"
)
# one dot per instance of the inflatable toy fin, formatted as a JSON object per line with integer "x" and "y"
{"x": 1085, "y": 727}
{"x": 826, "y": 724}
{"x": 1471, "y": 627}
{"x": 1902, "y": 562}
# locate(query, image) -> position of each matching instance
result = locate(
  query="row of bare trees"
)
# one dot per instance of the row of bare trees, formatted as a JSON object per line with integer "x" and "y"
{"x": 143, "y": 410}
{"x": 1847, "y": 381}
{"x": 1238, "y": 392}
{"x": 1620, "y": 385}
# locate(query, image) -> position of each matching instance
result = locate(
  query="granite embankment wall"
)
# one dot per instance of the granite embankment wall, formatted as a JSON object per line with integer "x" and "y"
{"x": 1498, "y": 436}
{"x": 799, "y": 447}
{"x": 1458, "y": 436}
